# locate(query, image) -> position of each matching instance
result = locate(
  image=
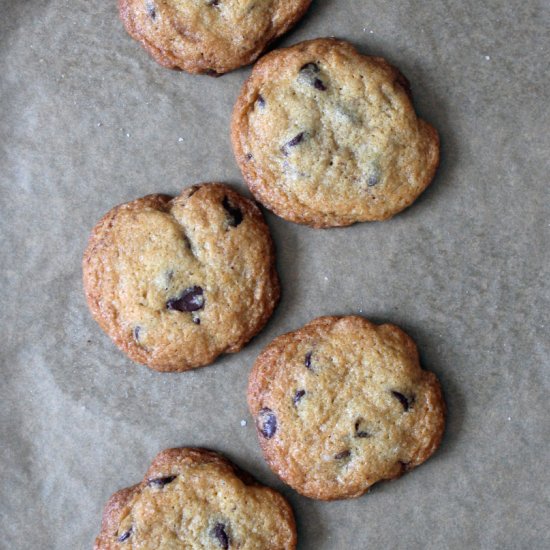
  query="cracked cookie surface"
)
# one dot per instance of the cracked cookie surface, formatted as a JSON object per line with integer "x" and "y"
{"x": 208, "y": 36}
{"x": 326, "y": 136}
{"x": 341, "y": 404}
{"x": 196, "y": 499}
{"x": 175, "y": 282}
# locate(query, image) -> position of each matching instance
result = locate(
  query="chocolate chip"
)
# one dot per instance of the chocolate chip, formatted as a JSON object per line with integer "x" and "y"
{"x": 234, "y": 213}
{"x": 196, "y": 320}
{"x": 248, "y": 156}
{"x": 373, "y": 180}
{"x": 221, "y": 535}
{"x": 358, "y": 432}
{"x": 150, "y": 7}
{"x": 261, "y": 101}
{"x": 295, "y": 140}
{"x": 307, "y": 361}
{"x": 136, "y": 333}
{"x": 212, "y": 2}
{"x": 292, "y": 143}
{"x": 405, "y": 401}
{"x": 160, "y": 482}
{"x": 268, "y": 423}
{"x": 308, "y": 73}
{"x": 342, "y": 454}
{"x": 298, "y": 395}
{"x": 318, "y": 84}
{"x": 125, "y": 535}
{"x": 192, "y": 299}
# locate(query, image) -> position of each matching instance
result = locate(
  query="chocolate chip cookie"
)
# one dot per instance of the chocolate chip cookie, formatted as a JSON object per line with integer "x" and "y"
{"x": 326, "y": 136}
{"x": 175, "y": 282}
{"x": 208, "y": 36}
{"x": 194, "y": 498}
{"x": 341, "y": 404}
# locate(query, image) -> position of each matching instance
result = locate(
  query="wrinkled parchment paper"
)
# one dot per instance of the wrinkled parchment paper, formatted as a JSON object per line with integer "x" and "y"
{"x": 88, "y": 120}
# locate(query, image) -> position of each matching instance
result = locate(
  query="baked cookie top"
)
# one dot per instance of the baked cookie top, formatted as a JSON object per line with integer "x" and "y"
{"x": 196, "y": 499}
{"x": 176, "y": 282}
{"x": 341, "y": 404}
{"x": 326, "y": 136}
{"x": 208, "y": 36}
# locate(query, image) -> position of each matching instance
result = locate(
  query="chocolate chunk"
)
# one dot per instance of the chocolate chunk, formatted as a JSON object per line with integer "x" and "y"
{"x": 267, "y": 423}
{"x": 358, "y": 432}
{"x": 261, "y": 101}
{"x": 150, "y": 7}
{"x": 292, "y": 143}
{"x": 405, "y": 401}
{"x": 192, "y": 299}
{"x": 125, "y": 535}
{"x": 136, "y": 333}
{"x": 160, "y": 482}
{"x": 295, "y": 140}
{"x": 308, "y": 73}
{"x": 234, "y": 213}
{"x": 318, "y": 84}
{"x": 212, "y": 2}
{"x": 221, "y": 535}
{"x": 307, "y": 361}
{"x": 298, "y": 395}
{"x": 373, "y": 180}
{"x": 342, "y": 454}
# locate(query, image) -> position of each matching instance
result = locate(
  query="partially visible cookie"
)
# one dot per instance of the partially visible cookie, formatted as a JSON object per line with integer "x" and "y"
{"x": 326, "y": 136}
{"x": 341, "y": 404}
{"x": 175, "y": 282}
{"x": 194, "y": 498}
{"x": 208, "y": 36}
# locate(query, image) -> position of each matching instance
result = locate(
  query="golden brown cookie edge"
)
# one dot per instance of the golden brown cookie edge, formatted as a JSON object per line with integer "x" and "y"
{"x": 260, "y": 186}
{"x": 100, "y": 237}
{"x": 118, "y": 501}
{"x": 262, "y": 374}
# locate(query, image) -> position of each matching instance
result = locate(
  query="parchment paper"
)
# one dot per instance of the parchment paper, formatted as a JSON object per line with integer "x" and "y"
{"x": 88, "y": 121}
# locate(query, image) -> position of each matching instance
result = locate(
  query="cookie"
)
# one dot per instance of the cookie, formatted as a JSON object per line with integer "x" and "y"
{"x": 325, "y": 136}
{"x": 175, "y": 282}
{"x": 194, "y": 498}
{"x": 208, "y": 36}
{"x": 341, "y": 404}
